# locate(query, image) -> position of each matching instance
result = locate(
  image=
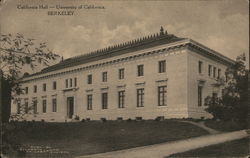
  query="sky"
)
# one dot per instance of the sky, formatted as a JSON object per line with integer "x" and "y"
{"x": 222, "y": 25}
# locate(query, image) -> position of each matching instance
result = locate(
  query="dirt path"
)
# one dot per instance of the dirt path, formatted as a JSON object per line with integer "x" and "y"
{"x": 168, "y": 148}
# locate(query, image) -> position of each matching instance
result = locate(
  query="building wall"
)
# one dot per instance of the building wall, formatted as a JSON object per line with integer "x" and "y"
{"x": 194, "y": 77}
{"x": 175, "y": 78}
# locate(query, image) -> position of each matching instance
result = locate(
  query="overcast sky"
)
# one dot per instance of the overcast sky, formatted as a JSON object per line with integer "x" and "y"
{"x": 221, "y": 25}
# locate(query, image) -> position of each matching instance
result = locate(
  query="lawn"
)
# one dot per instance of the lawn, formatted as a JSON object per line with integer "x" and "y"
{"x": 226, "y": 126}
{"x": 97, "y": 137}
{"x": 237, "y": 148}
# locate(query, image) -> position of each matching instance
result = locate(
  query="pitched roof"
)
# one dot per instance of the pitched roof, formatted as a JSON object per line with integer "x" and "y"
{"x": 115, "y": 50}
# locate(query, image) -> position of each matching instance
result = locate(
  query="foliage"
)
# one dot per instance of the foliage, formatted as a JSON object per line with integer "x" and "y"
{"x": 232, "y": 105}
{"x": 18, "y": 52}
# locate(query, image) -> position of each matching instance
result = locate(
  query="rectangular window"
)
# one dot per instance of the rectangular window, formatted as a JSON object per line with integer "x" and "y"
{"x": 209, "y": 70}
{"x": 121, "y": 97}
{"x": 26, "y": 90}
{"x": 26, "y": 107}
{"x": 199, "y": 95}
{"x": 35, "y": 88}
{"x": 219, "y": 73}
{"x": 162, "y": 95}
{"x": 121, "y": 73}
{"x": 162, "y": 66}
{"x": 44, "y": 87}
{"x": 71, "y": 82}
{"x": 214, "y": 72}
{"x": 54, "y": 85}
{"x": 104, "y": 76}
{"x": 89, "y": 79}
{"x": 200, "y": 67}
{"x": 18, "y": 108}
{"x": 54, "y": 105}
{"x": 104, "y": 100}
{"x": 75, "y": 81}
{"x": 140, "y": 97}
{"x": 44, "y": 106}
{"x": 34, "y": 106}
{"x": 66, "y": 83}
{"x": 139, "y": 70}
{"x": 89, "y": 101}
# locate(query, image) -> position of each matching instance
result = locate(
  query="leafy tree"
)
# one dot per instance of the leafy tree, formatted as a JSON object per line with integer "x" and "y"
{"x": 17, "y": 52}
{"x": 233, "y": 104}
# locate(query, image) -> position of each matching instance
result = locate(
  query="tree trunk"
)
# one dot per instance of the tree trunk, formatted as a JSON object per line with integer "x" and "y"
{"x": 5, "y": 99}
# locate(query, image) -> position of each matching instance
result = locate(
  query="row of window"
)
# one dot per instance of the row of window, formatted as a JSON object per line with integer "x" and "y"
{"x": 44, "y": 87}
{"x": 162, "y": 98}
{"x": 26, "y": 108}
{"x": 72, "y": 82}
{"x": 212, "y": 70}
{"x": 121, "y": 72}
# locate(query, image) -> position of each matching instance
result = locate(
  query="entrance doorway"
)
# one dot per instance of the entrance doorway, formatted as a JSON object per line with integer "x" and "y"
{"x": 70, "y": 107}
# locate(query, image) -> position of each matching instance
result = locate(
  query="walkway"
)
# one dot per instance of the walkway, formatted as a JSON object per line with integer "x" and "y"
{"x": 168, "y": 148}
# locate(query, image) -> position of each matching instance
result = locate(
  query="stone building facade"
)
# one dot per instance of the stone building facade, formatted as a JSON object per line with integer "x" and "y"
{"x": 155, "y": 76}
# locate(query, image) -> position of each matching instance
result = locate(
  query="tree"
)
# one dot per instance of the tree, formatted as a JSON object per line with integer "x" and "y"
{"x": 16, "y": 52}
{"x": 233, "y": 104}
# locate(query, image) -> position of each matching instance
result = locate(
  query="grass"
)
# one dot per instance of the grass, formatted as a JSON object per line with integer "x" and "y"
{"x": 237, "y": 148}
{"x": 226, "y": 126}
{"x": 96, "y": 137}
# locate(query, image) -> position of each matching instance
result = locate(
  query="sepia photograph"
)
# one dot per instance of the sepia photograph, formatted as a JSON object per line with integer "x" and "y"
{"x": 124, "y": 78}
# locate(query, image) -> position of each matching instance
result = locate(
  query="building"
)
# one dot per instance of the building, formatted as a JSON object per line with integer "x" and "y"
{"x": 160, "y": 75}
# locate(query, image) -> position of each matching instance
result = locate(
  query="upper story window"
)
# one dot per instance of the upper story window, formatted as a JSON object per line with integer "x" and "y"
{"x": 104, "y": 76}
{"x": 71, "y": 82}
{"x": 140, "y": 70}
{"x": 200, "y": 66}
{"x": 121, "y": 74}
{"x": 35, "y": 88}
{"x": 219, "y": 73}
{"x": 26, "y": 90}
{"x": 89, "y": 79}
{"x": 209, "y": 70}
{"x": 54, "y": 85}
{"x": 44, "y": 87}
{"x": 66, "y": 83}
{"x": 214, "y": 72}
{"x": 75, "y": 81}
{"x": 162, "y": 66}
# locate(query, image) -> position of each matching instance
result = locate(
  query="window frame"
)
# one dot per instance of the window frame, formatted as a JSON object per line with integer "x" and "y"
{"x": 44, "y": 105}
{"x": 89, "y": 79}
{"x": 140, "y": 70}
{"x": 162, "y": 95}
{"x": 200, "y": 101}
{"x": 54, "y": 85}
{"x": 54, "y": 104}
{"x": 121, "y": 73}
{"x": 121, "y": 99}
{"x": 200, "y": 65}
{"x": 104, "y": 76}
{"x": 162, "y": 66}
{"x": 105, "y": 100}
{"x": 89, "y": 101}
{"x": 140, "y": 92}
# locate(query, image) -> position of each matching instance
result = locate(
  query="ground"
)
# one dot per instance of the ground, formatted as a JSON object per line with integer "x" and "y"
{"x": 73, "y": 139}
{"x": 237, "y": 148}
